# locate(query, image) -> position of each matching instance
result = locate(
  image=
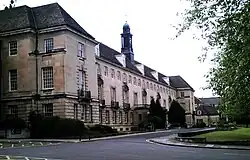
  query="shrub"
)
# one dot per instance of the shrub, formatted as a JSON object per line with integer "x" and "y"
{"x": 55, "y": 127}
{"x": 13, "y": 123}
{"x": 102, "y": 129}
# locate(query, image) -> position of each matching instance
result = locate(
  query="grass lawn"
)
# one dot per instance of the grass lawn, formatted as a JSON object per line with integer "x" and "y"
{"x": 235, "y": 135}
{"x": 21, "y": 144}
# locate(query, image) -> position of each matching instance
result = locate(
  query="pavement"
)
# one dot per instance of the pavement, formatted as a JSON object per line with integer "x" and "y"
{"x": 170, "y": 140}
{"x": 133, "y": 147}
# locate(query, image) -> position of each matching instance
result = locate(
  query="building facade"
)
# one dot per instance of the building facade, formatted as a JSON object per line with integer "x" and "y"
{"x": 52, "y": 65}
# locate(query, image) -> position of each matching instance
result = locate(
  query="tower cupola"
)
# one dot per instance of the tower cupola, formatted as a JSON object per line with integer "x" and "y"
{"x": 126, "y": 40}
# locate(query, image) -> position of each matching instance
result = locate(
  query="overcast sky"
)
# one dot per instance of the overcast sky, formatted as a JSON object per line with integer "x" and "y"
{"x": 150, "y": 22}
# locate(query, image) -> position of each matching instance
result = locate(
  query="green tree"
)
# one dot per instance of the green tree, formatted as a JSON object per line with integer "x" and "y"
{"x": 225, "y": 26}
{"x": 11, "y": 5}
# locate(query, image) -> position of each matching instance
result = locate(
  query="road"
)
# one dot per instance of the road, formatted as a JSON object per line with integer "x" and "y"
{"x": 127, "y": 148}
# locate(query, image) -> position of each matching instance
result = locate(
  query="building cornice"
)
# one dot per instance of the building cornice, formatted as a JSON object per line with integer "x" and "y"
{"x": 131, "y": 71}
{"x": 15, "y": 32}
{"x": 46, "y": 30}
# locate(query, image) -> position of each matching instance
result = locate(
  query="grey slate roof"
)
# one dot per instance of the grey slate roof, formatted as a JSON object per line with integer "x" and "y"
{"x": 208, "y": 110}
{"x": 211, "y": 101}
{"x": 109, "y": 54}
{"x": 51, "y": 15}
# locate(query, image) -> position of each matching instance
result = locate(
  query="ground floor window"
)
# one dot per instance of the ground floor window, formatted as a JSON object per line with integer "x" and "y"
{"x": 120, "y": 117}
{"x": 100, "y": 115}
{"x": 48, "y": 109}
{"x": 114, "y": 117}
{"x": 107, "y": 116}
{"x": 16, "y": 131}
{"x": 126, "y": 117}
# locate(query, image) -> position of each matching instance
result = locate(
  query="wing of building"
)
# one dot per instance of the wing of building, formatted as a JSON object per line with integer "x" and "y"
{"x": 49, "y": 63}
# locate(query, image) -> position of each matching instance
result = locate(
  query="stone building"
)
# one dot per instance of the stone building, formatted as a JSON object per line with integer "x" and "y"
{"x": 52, "y": 65}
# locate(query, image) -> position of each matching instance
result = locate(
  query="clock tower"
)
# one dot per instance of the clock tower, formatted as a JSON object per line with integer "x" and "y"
{"x": 126, "y": 40}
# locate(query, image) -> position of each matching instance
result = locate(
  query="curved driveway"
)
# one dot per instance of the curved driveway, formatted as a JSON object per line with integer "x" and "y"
{"x": 127, "y": 148}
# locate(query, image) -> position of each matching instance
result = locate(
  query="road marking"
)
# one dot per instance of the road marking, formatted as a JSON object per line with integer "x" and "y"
{"x": 209, "y": 145}
{"x": 26, "y": 158}
{"x": 12, "y": 145}
{"x": 7, "y": 157}
{"x": 41, "y": 143}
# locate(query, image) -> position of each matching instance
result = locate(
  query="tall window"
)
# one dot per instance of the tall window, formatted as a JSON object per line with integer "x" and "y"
{"x": 47, "y": 77}
{"x": 106, "y": 72}
{"x": 126, "y": 96}
{"x": 143, "y": 84}
{"x": 113, "y": 93}
{"x": 151, "y": 86}
{"x": 13, "y": 111}
{"x": 107, "y": 116}
{"x": 91, "y": 113}
{"x": 13, "y": 48}
{"x": 164, "y": 103}
{"x": 134, "y": 80}
{"x": 118, "y": 75}
{"x": 100, "y": 115}
{"x": 147, "y": 85}
{"x": 81, "y": 79}
{"x": 155, "y": 87}
{"x": 124, "y": 77}
{"x": 144, "y": 99}
{"x": 182, "y": 94}
{"x": 114, "y": 117}
{"x": 135, "y": 98}
{"x": 120, "y": 116}
{"x": 129, "y": 79}
{"x": 126, "y": 117}
{"x": 81, "y": 50}
{"x": 13, "y": 80}
{"x": 49, "y": 45}
{"x": 48, "y": 109}
{"x": 99, "y": 71}
{"x": 75, "y": 111}
{"x": 112, "y": 73}
{"x": 83, "y": 112}
{"x": 139, "y": 82}
{"x": 131, "y": 117}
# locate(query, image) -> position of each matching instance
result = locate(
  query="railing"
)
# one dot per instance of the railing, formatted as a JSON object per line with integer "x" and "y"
{"x": 84, "y": 95}
{"x": 114, "y": 104}
{"x": 126, "y": 106}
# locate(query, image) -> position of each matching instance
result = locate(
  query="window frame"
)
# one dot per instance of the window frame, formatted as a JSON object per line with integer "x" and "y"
{"x": 81, "y": 50}
{"x": 106, "y": 71}
{"x": 47, "y": 45}
{"x": 50, "y": 79}
{"x": 13, "y": 49}
{"x": 46, "y": 108}
{"x": 11, "y": 81}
